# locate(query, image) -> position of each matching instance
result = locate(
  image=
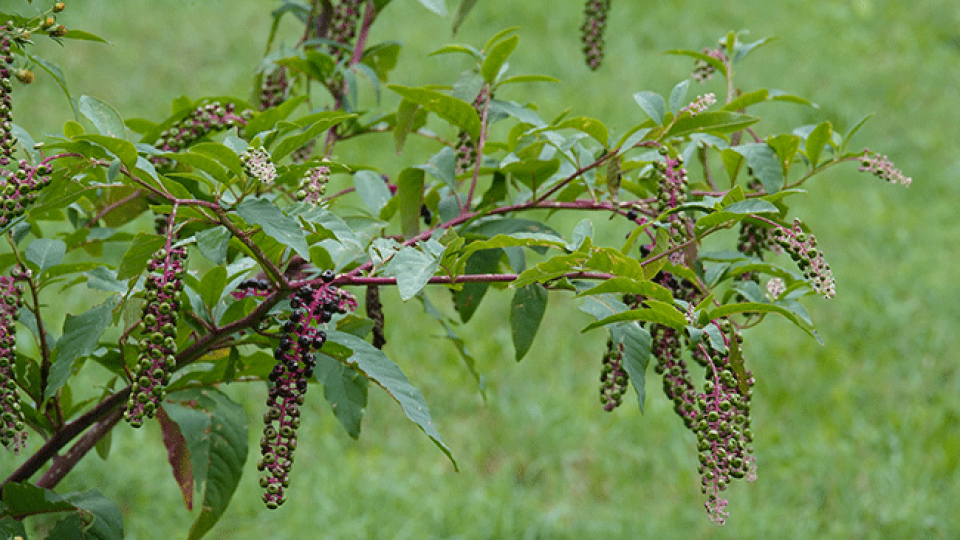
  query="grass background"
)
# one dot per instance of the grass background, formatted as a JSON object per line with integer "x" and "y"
{"x": 855, "y": 439}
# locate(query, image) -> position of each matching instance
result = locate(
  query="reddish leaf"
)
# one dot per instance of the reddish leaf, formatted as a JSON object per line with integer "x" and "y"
{"x": 178, "y": 455}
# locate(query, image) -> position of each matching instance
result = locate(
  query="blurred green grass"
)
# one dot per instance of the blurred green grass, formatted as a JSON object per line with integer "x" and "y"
{"x": 858, "y": 438}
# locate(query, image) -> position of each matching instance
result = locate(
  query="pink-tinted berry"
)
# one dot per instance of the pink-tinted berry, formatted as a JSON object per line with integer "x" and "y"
{"x": 12, "y": 428}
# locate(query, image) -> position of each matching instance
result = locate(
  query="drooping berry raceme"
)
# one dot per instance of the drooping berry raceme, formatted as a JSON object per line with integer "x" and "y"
{"x": 802, "y": 248}
{"x": 465, "y": 149}
{"x": 256, "y": 163}
{"x": 343, "y": 26}
{"x": 273, "y": 88}
{"x": 158, "y": 343}
{"x": 12, "y": 429}
{"x": 202, "y": 121}
{"x": 613, "y": 377}
{"x": 300, "y": 335}
{"x": 881, "y": 167}
{"x": 313, "y": 185}
{"x": 723, "y": 427}
{"x": 591, "y": 31}
{"x": 672, "y": 192}
{"x": 702, "y": 70}
{"x": 20, "y": 188}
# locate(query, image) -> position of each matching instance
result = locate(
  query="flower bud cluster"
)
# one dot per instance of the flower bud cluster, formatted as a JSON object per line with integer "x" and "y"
{"x": 591, "y": 31}
{"x": 723, "y": 429}
{"x": 300, "y": 335}
{"x": 699, "y": 105}
{"x": 202, "y": 121}
{"x": 158, "y": 325}
{"x": 802, "y": 248}
{"x": 613, "y": 377}
{"x": 703, "y": 71}
{"x": 881, "y": 167}
{"x": 20, "y": 188}
{"x": 465, "y": 149}
{"x": 273, "y": 88}
{"x": 313, "y": 185}
{"x": 256, "y": 163}
{"x": 12, "y": 432}
{"x": 343, "y": 26}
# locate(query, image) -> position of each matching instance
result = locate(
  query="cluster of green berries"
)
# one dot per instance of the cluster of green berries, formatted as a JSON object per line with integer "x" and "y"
{"x": 20, "y": 188}
{"x": 703, "y": 71}
{"x": 257, "y": 164}
{"x": 7, "y": 140}
{"x": 273, "y": 88}
{"x": 591, "y": 31}
{"x": 881, "y": 167}
{"x": 673, "y": 181}
{"x": 158, "y": 326}
{"x": 465, "y": 149}
{"x": 313, "y": 185}
{"x": 12, "y": 429}
{"x": 755, "y": 240}
{"x": 802, "y": 248}
{"x": 202, "y": 121}
{"x": 723, "y": 427}
{"x": 613, "y": 377}
{"x": 343, "y": 26}
{"x": 300, "y": 336}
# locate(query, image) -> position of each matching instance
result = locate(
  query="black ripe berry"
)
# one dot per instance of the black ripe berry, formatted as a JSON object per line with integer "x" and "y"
{"x": 328, "y": 276}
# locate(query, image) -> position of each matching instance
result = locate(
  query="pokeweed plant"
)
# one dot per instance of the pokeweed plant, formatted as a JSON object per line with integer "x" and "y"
{"x": 242, "y": 242}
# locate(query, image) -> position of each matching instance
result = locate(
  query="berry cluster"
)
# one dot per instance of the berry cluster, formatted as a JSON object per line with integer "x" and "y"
{"x": 673, "y": 181}
{"x": 12, "y": 432}
{"x": 7, "y": 140}
{"x": 699, "y": 105}
{"x": 313, "y": 185}
{"x": 201, "y": 121}
{"x": 802, "y": 248}
{"x": 299, "y": 336}
{"x": 158, "y": 325}
{"x": 465, "y": 149}
{"x": 21, "y": 188}
{"x": 702, "y": 70}
{"x": 256, "y": 163}
{"x": 753, "y": 241}
{"x": 881, "y": 167}
{"x": 343, "y": 26}
{"x": 591, "y": 32}
{"x": 252, "y": 287}
{"x": 613, "y": 377}
{"x": 273, "y": 89}
{"x": 723, "y": 427}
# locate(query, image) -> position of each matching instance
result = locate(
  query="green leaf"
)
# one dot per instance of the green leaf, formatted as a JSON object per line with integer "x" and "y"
{"x": 526, "y": 311}
{"x": 717, "y": 64}
{"x": 84, "y": 36}
{"x": 437, "y": 6}
{"x": 324, "y": 121}
{"x": 526, "y": 79}
{"x": 496, "y": 57}
{"x": 410, "y": 197}
{"x": 756, "y": 307}
{"x": 853, "y": 131}
{"x": 104, "y": 117}
{"x": 752, "y": 206}
{"x": 103, "y": 519}
{"x": 590, "y": 126}
{"x": 275, "y": 224}
{"x": 377, "y": 367}
{"x": 442, "y": 166}
{"x": 211, "y": 286}
{"x": 516, "y": 240}
{"x": 453, "y": 110}
{"x": 816, "y": 141}
{"x": 373, "y": 191}
{"x": 81, "y": 335}
{"x": 345, "y": 390}
{"x": 218, "y": 427}
{"x": 714, "y": 123}
{"x": 658, "y": 312}
{"x": 222, "y": 153}
{"x": 413, "y": 269}
{"x": 406, "y": 116}
{"x": 467, "y": 299}
{"x": 763, "y": 160}
{"x": 786, "y": 147}
{"x": 141, "y": 249}
{"x": 213, "y": 243}
{"x": 462, "y": 11}
{"x": 625, "y": 285}
{"x": 732, "y": 163}
{"x": 123, "y": 149}
{"x": 678, "y": 95}
{"x": 45, "y": 253}
{"x": 652, "y": 104}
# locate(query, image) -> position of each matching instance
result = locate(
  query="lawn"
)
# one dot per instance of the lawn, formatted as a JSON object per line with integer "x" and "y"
{"x": 858, "y": 438}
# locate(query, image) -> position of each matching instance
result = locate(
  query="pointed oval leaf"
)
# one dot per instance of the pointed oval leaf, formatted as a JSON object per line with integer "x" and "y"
{"x": 652, "y": 104}
{"x": 526, "y": 311}
{"x": 104, "y": 117}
